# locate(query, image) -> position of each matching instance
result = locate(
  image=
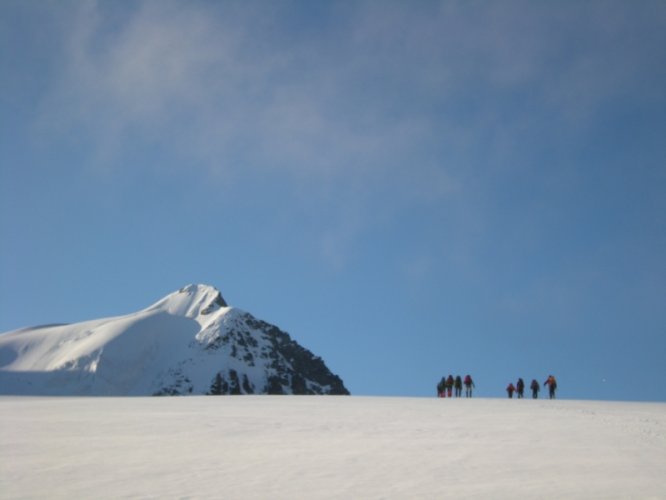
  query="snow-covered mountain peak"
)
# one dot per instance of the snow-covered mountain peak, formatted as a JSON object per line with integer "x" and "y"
{"x": 191, "y": 301}
{"x": 189, "y": 342}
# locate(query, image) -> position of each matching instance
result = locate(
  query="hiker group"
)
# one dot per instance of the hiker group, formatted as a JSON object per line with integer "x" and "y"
{"x": 448, "y": 385}
{"x": 519, "y": 388}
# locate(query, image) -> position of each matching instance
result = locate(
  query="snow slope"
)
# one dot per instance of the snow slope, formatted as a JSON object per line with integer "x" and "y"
{"x": 326, "y": 447}
{"x": 182, "y": 344}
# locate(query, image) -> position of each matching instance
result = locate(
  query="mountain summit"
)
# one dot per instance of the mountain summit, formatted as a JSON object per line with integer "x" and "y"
{"x": 191, "y": 301}
{"x": 189, "y": 342}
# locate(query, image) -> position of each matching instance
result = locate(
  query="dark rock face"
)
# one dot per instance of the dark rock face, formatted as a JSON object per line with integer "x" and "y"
{"x": 301, "y": 364}
{"x": 217, "y": 302}
{"x": 289, "y": 368}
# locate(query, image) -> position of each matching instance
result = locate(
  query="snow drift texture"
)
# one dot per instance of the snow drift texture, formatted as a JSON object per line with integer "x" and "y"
{"x": 288, "y": 447}
{"x": 190, "y": 342}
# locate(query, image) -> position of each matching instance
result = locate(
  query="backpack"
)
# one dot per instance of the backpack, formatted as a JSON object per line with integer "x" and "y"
{"x": 468, "y": 380}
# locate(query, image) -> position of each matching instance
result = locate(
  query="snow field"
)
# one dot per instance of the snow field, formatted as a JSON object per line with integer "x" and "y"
{"x": 330, "y": 447}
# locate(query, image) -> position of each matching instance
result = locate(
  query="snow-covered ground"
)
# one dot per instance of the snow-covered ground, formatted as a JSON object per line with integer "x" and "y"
{"x": 330, "y": 447}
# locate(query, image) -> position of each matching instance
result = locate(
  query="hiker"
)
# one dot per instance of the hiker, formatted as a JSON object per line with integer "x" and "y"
{"x": 457, "y": 385}
{"x": 441, "y": 388}
{"x": 552, "y": 385}
{"x": 449, "y": 386}
{"x": 469, "y": 383}
{"x": 510, "y": 390}
{"x": 535, "y": 389}
{"x": 520, "y": 388}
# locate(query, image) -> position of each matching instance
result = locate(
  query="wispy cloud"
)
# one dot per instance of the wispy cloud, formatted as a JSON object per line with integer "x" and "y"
{"x": 413, "y": 101}
{"x": 389, "y": 83}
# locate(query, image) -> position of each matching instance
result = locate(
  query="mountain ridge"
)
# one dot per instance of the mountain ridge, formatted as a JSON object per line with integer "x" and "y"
{"x": 189, "y": 342}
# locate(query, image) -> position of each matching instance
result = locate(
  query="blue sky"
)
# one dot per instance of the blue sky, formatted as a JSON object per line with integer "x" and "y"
{"x": 410, "y": 189}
